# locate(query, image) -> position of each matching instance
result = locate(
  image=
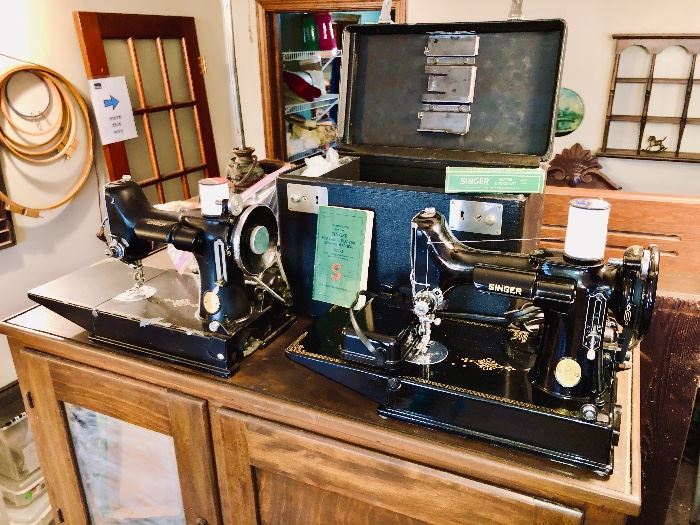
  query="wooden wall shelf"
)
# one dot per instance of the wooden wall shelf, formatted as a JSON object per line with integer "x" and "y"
{"x": 661, "y": 155}
{"x": 654, "y": 45}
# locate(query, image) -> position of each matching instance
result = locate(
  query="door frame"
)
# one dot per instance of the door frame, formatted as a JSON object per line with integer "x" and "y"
{"x": 269, "y": 49}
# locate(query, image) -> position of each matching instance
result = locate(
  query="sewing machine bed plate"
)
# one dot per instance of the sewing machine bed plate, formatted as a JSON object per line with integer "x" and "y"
{"x": 165, "y": 325}
{"x": 476, "y": 391}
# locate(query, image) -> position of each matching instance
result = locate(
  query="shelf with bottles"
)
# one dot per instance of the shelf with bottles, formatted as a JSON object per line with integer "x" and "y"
{"x": 310, "y": 152}
{"x": 310, "y": 48}
{"x": 330, "y": 54}
{"x": 323, "y": 102}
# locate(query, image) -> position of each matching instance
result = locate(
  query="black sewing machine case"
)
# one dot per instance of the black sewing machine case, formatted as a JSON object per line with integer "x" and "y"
{"x": 482, "y": 389}
{"x": 396, "y": 171}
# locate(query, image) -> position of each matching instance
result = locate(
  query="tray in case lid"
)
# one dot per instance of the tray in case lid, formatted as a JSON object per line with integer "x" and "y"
{"x": 463, "y": 93}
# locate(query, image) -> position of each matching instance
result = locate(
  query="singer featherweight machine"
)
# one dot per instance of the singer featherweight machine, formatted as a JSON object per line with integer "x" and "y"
{"x": 541, "y": 377}
{"x": 236, "y": 304}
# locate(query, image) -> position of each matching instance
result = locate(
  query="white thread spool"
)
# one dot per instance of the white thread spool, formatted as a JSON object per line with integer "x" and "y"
{"x": 212, "y": 193}
{"x": 587, "y": 229}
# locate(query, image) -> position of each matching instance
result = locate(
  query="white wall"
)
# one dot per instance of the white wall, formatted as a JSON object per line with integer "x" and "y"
{"x": 587, "y": 67}
{"x": 43, "y": 32}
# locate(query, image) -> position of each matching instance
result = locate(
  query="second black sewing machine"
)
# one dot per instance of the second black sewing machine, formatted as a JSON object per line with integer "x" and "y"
{"x": 540, "y": 377}
{"x": 517, "y": 348}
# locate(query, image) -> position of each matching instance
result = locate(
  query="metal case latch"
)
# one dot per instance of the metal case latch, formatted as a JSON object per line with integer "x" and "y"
{"x": 476, "y": 217}
{"x": 451, "y": 70}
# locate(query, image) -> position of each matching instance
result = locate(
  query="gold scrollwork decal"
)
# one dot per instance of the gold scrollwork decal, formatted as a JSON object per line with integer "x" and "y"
{"x": 488, "y": 364}
{"x": 519, "y": 335}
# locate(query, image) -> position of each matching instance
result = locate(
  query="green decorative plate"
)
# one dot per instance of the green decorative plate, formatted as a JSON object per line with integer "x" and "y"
{"x": 570, "y": 112}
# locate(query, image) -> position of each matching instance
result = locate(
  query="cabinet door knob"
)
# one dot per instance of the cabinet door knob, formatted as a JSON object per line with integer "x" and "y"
{"x": 201, "y": 521}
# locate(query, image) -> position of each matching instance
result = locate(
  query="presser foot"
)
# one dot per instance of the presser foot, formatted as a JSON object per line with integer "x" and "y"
{"x": 430, "y": 353}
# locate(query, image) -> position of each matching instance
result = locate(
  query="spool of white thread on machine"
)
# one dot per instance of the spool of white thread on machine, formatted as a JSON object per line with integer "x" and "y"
{"x": 587, "y": 229}
{"x": 212, "y": 193}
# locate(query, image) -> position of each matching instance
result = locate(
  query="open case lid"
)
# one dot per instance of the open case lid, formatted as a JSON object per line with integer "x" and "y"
{"x": 400, "y": 77}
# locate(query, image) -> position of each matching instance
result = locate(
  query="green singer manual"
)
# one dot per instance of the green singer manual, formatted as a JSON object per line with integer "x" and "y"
{"x": 341, "y": 264}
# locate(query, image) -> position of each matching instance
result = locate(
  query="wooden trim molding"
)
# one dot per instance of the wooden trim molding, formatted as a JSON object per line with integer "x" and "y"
{"x": 269, "y": 49}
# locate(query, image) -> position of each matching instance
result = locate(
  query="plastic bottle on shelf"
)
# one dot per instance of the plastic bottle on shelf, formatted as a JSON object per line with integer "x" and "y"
{"x": 310, "y": 33}
{"x": 326, "y": 35}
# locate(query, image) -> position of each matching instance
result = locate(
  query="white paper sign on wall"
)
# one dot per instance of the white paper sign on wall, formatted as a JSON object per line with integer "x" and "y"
{"x": 113, "y": 111}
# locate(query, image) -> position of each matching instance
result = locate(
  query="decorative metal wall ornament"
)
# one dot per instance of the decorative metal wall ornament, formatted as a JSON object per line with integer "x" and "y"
{"x": 655, "y": 145}
{"x": 578, "y": 166}
{"x": 570, "y": 111}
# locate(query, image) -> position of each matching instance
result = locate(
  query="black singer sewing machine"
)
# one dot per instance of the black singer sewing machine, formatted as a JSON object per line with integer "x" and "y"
{"x": 540, "y": 377}
{"x": 236, "y": 303}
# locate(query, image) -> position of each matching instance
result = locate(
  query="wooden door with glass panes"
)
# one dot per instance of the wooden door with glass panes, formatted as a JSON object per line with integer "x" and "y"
{"x": 117, "y": 450}
{"x": 159, "y": 57}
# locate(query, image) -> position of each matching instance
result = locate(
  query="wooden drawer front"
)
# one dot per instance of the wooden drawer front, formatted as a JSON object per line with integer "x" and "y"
{"x": 270, "y": 473}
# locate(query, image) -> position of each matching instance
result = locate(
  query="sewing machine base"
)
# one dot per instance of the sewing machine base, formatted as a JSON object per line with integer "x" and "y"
{"x": 164, "y": 326}
{"x": 478, "y": 391}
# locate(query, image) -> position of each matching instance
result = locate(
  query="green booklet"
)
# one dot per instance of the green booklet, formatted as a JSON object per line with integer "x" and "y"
{"x": 494, "y": 180}
{"x": 341, "y": 264}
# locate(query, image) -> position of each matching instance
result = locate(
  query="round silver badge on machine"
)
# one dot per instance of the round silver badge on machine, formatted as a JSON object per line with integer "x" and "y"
{"x": 568, "y": 372}
{"x": 211, "y": 302}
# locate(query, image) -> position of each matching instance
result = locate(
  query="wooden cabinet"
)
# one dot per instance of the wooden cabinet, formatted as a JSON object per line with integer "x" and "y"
{"x": 130, "y": 440}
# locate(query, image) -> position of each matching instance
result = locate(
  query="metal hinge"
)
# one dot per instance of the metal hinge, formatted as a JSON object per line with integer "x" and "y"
{"x": 202, "y": 65}
{"x": 59, "y": 515}
{"x": 30, "y": 400}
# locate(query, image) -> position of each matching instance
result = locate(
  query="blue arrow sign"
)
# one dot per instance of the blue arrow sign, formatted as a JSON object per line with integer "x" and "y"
{"x": 111, "y": 101}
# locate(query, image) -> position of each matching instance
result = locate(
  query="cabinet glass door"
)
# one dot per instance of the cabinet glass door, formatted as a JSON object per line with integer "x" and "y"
{"x": 119, "y": 451}
{"x": 128, "y": 473}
